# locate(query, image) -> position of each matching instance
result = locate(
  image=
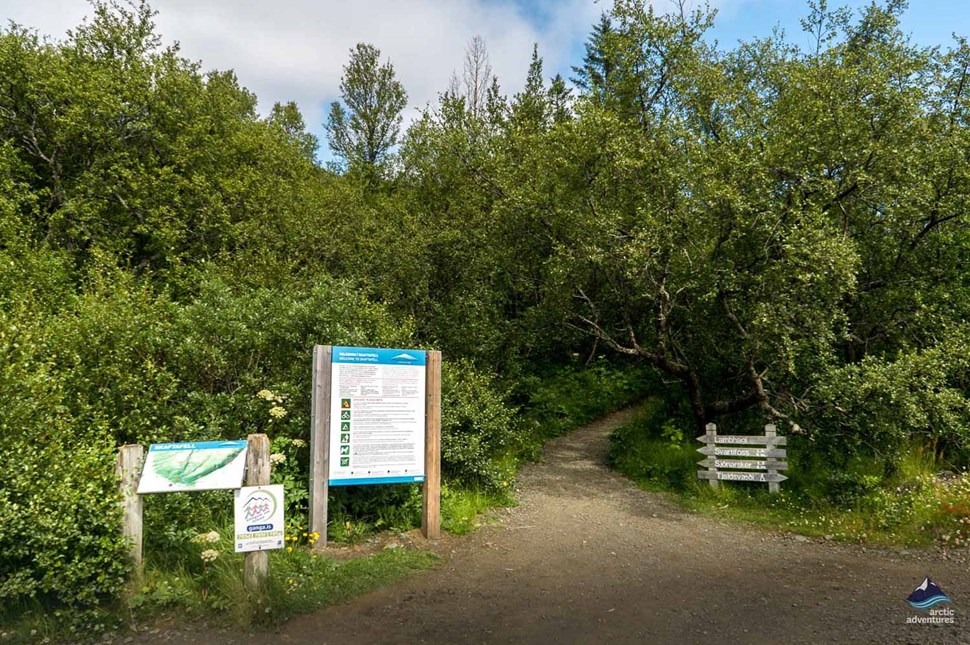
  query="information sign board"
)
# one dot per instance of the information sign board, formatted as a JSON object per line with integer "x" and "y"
{"x": 377, "y": 416}
{"x": 192, "y": 466}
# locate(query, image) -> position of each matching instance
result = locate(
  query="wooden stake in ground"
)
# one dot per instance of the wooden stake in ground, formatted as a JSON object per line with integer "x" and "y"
{"x": 711, "y": 441}
{"x": 320, "y": 441}
{"x": 770, "y": 436}
{"x": 431, "y": 490}
{"x": 127, "y": 469}
{"x": 256, "y": 565}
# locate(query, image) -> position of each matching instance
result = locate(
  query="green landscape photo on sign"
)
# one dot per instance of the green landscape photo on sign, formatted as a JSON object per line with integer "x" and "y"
{"x": 199, "y": 465}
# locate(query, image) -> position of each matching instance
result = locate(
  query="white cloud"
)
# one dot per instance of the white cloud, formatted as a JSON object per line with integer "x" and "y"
{"x": 296, "y": 50}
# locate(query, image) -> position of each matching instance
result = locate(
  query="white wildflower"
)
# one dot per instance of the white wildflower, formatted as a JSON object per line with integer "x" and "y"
{"x": 277, "y": 458}
{"x": 277, "y": 412}
{"x": 209, "y": 555}
{"x": 206, "y": 538}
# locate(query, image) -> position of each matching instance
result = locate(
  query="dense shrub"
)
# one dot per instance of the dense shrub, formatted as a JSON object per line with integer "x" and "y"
{"x": 476, "y": 427}
{"x": 122, "y": 363}
{"x": 880, "y": 405}
{"x": 59, "y": 517}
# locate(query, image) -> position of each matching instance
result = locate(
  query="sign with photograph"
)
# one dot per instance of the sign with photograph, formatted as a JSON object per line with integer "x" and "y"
{"x": 193, "y": 466}
{"x": 377, "y": 416}
{"x": 259, "y": 518}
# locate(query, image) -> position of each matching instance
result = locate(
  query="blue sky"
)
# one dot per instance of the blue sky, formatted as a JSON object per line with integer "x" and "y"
{"x": 295, "y": 49}
{"x": 929, "y": 22}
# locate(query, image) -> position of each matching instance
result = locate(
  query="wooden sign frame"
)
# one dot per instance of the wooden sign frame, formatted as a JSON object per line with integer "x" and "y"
{"x": 320, "y": 444}
{"x": 128, "y": 469}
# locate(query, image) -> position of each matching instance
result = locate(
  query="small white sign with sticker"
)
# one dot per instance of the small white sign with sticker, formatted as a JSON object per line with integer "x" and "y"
{"x": 260, "y": 524}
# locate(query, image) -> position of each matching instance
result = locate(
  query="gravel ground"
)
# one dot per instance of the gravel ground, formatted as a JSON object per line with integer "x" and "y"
{"x": 588, "y": 558}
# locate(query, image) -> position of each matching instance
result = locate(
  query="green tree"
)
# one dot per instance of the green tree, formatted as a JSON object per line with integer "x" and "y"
{"x": 530, "y": 107}
{"x": 560, "y": 99}
{"x": 362, "y": 134}
{"x": 595, "y": 75}
{"x": 130, "y": 152}
{"x": 707, "y": 231}
{"x": 288, "y": 118}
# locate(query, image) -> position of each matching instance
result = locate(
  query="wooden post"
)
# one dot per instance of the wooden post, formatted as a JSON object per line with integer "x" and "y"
{"x": 256, "y": 565}
{"x": 773, "y": 487}
{"x": 431, "y": 491}
{"x": 320, "y": 441}
{"x": 712, "y": 442}
{"x": 128, "y": 468}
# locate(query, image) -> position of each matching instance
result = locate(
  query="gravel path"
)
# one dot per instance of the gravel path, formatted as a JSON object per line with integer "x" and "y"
{"x": 589, "y": 558}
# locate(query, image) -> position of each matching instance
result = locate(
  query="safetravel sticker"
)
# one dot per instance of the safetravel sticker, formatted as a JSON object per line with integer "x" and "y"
{"x": 260, "y": 523}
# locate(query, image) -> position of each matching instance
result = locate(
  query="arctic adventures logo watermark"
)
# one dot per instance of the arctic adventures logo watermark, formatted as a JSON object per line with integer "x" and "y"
{"x": 927, "y": 598}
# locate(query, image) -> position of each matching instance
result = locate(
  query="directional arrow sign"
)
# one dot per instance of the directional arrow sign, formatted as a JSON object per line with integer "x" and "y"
{"x": 717, "y": 451}
{"x": 743, "y": 464}
{"x": 745, "y": 440}
{"x": 741, "y": 477}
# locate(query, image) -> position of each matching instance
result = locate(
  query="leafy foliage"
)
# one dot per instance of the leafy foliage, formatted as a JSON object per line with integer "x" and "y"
{"x": 58, "y": 505}
{"x": 363, "y": 134}
{"x": 477, "y": 428}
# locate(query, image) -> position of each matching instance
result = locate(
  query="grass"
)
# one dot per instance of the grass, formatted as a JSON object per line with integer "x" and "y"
{"x": 305, "y": 581}
{"x": 300, "y": 581}
{"x": 937, "y": 513}
{"x": 857, "y": 503}
{"x": 462, "y": 509}
{"x": 32, "y": 622}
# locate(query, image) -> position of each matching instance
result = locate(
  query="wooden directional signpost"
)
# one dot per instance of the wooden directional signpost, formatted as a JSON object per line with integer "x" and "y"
{"x": 760, "y": 458}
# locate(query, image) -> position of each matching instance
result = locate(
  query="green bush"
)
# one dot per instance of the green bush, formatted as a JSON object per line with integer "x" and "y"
{"x": 879, "y": 406}
{"x": 655, "y": 451}
{"x": 122, "y": 364}
{"x": 850, "y": 489}
{"x": 356, "y": 510}
{"x": 477, "y": 426}
{"x": 59, "y": 513}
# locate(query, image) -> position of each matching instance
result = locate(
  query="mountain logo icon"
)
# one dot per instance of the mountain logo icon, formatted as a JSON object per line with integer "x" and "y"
{"x": 927, "y": 595}
{"x": 405, "y": 357}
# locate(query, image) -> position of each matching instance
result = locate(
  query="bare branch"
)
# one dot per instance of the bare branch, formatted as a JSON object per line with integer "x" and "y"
{"x": 476, "y": 75}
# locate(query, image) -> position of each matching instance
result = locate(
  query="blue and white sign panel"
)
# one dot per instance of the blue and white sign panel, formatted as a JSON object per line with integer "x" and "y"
{"x": 377, "y": 401}
{"x": 193, "y": 465}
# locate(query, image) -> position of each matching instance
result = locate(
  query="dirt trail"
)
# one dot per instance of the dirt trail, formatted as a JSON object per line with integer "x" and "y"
{"x": 589, "y": 558}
